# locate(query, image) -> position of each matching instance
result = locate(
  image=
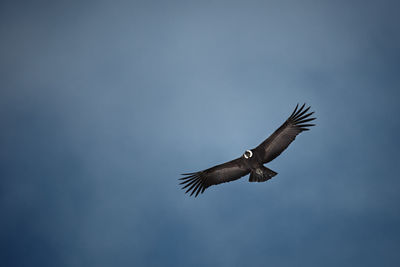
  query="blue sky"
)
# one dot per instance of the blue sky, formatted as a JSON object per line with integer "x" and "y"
{"x": 104, "y": 104}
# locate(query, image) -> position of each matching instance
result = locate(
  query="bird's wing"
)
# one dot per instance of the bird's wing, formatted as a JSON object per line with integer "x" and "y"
{"x": 274, "y": 145}
{"x": 197, "y": 182}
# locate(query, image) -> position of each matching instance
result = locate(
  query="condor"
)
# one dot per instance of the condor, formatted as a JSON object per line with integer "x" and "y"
{"x": 253, "y": 160}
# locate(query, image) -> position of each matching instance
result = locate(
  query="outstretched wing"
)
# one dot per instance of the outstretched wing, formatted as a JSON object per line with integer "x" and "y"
{"x": 274, "y": 145}
{"x": 197, "y": 182}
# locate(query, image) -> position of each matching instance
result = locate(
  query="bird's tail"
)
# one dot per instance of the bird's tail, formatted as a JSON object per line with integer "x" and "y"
{"x": 261, "y": 174}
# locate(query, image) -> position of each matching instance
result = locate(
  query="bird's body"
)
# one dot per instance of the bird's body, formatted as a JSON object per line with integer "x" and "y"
{"x": 258, "y": 172}
{"x": 253, "y": 160}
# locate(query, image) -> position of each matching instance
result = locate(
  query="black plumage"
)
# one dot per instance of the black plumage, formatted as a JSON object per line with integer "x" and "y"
{"x": 252, "y": 160}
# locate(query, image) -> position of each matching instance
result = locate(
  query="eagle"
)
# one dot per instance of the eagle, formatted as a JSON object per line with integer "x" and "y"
{"x": 252, "y": 161}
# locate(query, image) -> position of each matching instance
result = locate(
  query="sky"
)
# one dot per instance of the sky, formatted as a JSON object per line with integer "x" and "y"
{"x": 104, "y": 103}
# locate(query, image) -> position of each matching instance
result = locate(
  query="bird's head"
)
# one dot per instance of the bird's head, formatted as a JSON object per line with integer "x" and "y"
{"x": 248, "y": 154}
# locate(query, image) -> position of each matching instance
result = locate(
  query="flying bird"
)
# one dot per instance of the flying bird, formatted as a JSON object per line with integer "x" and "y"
{"x": 253, "y": 160}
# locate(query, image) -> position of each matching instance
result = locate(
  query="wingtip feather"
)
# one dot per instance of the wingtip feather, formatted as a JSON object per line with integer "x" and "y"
{"x": 191, "y": 187}
{"x": 193, "y": 183}
{"x": 294, "y": 111}
{"x": 189, "y": 173}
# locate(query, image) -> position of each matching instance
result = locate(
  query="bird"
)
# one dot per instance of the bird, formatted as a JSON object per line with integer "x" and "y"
{"x": 252, "y": 161}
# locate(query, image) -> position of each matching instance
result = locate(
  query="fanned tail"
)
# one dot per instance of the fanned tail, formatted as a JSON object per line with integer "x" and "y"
{"x": 261, "y": 174}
